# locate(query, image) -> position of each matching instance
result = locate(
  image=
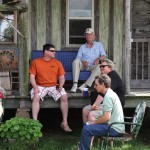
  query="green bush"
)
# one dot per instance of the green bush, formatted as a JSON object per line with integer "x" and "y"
{"x": 21, "y": 129}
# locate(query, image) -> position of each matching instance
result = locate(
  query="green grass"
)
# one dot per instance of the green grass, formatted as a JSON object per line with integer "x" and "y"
{"x": 57, "y": 140}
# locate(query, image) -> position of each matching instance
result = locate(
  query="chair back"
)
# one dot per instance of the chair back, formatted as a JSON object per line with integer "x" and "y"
{"x": 138, "y": 119}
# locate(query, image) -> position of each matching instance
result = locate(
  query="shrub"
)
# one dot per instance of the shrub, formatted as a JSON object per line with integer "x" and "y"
{"x": 21, "y": 129}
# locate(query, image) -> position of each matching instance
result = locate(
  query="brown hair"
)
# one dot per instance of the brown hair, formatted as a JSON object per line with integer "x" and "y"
{"x": 104, "y": 78}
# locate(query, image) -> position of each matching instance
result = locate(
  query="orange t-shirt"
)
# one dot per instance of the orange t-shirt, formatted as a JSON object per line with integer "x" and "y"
{"x": 46, "y": 72}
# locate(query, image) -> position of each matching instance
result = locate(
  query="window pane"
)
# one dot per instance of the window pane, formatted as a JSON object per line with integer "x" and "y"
{"x": 6, "y": 30}
{"x": 80, "y": 8}
{"x": 76, "y": 31}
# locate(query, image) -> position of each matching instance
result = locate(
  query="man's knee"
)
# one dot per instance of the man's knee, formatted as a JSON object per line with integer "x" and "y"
{"x": 76, "y": 62}
{"x": 36, "y": 99}
{"x": 86, "y": 130}
{"x": 64, "y": 98}
{"x": 85, "y": 111}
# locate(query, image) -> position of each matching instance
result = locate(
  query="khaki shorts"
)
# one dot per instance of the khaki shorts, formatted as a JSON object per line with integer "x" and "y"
{"x": 50, "y": 91}
{"x": 96, "y": 113}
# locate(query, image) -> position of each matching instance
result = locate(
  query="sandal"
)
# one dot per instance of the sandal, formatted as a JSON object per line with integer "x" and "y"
{"x": 66, "y": 129}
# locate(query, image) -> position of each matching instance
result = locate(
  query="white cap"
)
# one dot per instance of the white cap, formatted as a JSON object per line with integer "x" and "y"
{"x": 89, "y": 31}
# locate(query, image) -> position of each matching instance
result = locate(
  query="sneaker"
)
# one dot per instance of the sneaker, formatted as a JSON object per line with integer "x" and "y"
{"x": 74, "y": 88}
{"x": 82, "y": 87}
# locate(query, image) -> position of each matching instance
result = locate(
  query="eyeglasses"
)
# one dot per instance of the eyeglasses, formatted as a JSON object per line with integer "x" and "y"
{"x": 103, "y": 66}
{"x": 51, "y": 50}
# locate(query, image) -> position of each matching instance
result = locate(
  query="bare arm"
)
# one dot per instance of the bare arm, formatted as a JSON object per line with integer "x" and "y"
{"x": 102, "y": 119}
{"x": 97, "y": 102}
{"x": 33, "y": 83}
{"x": 61, "y": 82}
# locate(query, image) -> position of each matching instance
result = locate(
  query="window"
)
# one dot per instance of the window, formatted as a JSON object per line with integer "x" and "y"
{"x": 7, "y": 21}
{"x": 80, "y": 15}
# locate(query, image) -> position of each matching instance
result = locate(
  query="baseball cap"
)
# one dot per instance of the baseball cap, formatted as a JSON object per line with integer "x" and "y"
{"x": 89, "y": 31}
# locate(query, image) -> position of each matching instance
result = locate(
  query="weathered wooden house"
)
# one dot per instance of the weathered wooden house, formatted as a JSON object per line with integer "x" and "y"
{"x": 123, "y": 26}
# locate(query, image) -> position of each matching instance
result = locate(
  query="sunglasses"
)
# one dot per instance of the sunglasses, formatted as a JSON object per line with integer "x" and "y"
{"x": 51, "y": 50}
{"x": 103, "y": 66}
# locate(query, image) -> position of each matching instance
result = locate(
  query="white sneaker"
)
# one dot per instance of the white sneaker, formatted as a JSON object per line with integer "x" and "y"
{"x": 82, "y": 87}
{"x": 74, "y": 88}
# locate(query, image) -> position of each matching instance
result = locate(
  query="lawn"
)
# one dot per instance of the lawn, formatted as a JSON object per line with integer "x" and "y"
{"x": 57, "y": 140}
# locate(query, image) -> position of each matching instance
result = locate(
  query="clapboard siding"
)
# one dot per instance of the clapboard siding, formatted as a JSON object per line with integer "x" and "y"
{"x": 56, "y": 23}
{"x": 33, "y": 28}
{"x": 41, "y": 23}
{"x": 96, "y": 17}
{"x": 48, "y": 22}
{"x": 141, "y": 19}
{"x": 104, "y": 23}
{"x": 63, "y": 24}
{"x": 118, "y": 34}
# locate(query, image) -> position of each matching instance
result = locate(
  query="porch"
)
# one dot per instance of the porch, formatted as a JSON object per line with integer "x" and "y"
{"x": 76, "y": 100}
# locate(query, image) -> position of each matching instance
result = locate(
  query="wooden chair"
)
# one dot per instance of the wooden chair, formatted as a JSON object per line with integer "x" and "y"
{"x": 135, "y": 126}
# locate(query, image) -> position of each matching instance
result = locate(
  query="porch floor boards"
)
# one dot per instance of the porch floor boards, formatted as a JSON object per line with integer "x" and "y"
{"x": 76, "y": 100}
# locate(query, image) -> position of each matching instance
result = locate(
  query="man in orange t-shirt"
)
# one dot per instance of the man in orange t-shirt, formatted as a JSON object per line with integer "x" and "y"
{"x": 44, "y": 73}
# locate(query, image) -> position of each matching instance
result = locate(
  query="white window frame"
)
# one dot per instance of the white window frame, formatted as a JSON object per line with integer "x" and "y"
{"x": 79, "y": 18}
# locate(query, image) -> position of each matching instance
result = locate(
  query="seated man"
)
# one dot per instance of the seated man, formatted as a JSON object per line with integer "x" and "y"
{"x": 88, "y": 58}
{"x": 107, "y": 67}
{"x": 44, "y": 73}
{"x": 112, "y": 112}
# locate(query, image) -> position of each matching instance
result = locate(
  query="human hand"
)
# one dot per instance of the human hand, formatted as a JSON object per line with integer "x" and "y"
{"x": 36, "y": 90}
{"x": 94, "y": 107}
{"x": 59, "y": 87}
{"x": 85, "y": 63}
{"x": 96, "y": 62}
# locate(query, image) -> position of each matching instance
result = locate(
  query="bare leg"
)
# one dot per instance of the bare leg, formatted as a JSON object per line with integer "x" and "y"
{"x": 91, "y": 117}
{"x": 35, "y": 106}
{"x": 85, "y": 114}
{"x": 64, "y": 109}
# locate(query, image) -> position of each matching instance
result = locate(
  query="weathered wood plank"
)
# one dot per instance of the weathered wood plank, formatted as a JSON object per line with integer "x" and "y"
{"x": 63, "y": 23}
{"x": 74, "y": 102}
{"x": 56, "y": 23}
{"x": 96, "y": 18}
{"x": 141, "y": 19}
{"x": 41, "y": 23}
{"x": 23, "y": 55}
{"x": 48, "y": 22}
{"x": 104, "y": 23}
{"x": 127, "y": 47}
{"x": 118, "y": 34}
{"x": 139, "y": 84}
{"x": 111, "y": 30}
{"x": 33, "y": 28}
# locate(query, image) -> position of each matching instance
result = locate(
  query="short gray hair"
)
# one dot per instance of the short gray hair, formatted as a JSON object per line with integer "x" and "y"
{"x": 110, "y": 63}
{"x": 104, "y": 78}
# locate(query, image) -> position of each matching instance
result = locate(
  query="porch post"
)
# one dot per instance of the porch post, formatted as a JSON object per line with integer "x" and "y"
{"x": 127, "y": 57}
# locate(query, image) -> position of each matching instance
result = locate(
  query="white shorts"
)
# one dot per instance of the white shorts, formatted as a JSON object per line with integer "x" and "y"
{"x": 50, "y": 91}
